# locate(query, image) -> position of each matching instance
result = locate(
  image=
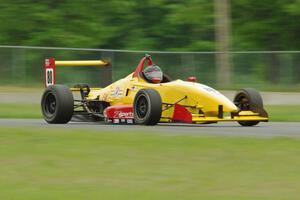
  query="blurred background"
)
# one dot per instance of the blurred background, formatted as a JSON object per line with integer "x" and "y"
{"x": 225, "y": 44}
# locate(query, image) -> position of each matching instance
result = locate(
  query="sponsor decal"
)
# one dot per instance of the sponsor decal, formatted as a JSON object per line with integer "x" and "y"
{"x": 116, "y": 121}
{"x": 117, "y": 92}
{"x": 122, "y": 115}
{"x": 209, "y": 89}
{"x": 129, "y": 121}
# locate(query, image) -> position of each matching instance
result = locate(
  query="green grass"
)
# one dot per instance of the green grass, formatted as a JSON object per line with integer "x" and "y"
{"x": 284, "y": 113}
{"x": 289, "y": 113}
{"x": 75, "y": 164}
{"x": 17, "y": 110}
{"x": 21, "y": 88}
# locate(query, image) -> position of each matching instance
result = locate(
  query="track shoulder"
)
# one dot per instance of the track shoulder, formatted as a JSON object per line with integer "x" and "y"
{"x": 227, "y": 128}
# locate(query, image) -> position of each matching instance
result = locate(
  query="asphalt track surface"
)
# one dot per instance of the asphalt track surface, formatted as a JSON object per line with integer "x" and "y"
{"x": 269, "y": 129}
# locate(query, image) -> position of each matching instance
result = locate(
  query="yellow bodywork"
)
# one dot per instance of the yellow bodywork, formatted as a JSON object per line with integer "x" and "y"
{"x": 200, "y": 100}
{"x": 81, "y": 63}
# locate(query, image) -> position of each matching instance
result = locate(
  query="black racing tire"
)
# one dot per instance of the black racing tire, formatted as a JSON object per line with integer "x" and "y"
{"x": 147, "y": 107}
{"x": 57, "y": 104}
{"x": 249, "y": 99}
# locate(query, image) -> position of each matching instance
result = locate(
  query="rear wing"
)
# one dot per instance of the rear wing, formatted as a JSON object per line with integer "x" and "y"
{"x": 51, "y": 64}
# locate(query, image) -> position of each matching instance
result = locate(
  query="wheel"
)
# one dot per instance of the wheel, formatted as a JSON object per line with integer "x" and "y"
{"x": 57, "y": 104}
{"x": 147, "y": 107}
{"x": 249, "y": 99}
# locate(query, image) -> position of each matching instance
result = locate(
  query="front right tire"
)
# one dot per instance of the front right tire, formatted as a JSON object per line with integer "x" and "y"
{"x": 249, "y": 99}
{"x": 57, "y": 104}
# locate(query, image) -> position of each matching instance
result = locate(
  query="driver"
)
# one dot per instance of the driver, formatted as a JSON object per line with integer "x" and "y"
{"x": 153, "y": 74}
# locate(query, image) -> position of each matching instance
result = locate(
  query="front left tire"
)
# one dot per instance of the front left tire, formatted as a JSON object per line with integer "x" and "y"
{"x": 147, "y": 107}
{"x": 57, "y": 104}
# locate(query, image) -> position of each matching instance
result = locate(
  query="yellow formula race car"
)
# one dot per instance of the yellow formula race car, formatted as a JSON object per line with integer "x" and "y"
{"x": 147, "y": 96}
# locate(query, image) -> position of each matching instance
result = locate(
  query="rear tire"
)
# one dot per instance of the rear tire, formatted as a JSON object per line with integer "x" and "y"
{"x": 147, "y": 107}
{"x": 249, "y": 99}
{"x": 57, "y": 104}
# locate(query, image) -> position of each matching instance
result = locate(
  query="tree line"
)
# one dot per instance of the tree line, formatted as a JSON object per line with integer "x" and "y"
{"x": 150, "y": 24}
{"x": 173, "y": 25}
